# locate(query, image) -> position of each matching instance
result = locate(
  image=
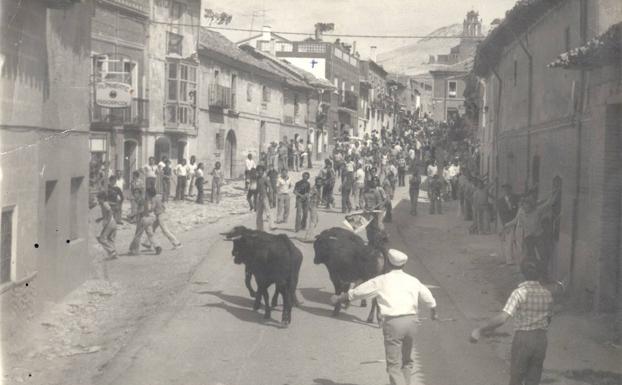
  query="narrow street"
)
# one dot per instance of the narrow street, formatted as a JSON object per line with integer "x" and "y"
{"x": 209, "y": 334}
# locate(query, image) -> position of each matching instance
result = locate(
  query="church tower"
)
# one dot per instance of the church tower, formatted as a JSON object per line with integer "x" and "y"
{"x": 472, "y": 25}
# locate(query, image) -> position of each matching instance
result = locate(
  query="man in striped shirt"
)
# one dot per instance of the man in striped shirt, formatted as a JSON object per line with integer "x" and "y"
{"x": 531, "y": 306}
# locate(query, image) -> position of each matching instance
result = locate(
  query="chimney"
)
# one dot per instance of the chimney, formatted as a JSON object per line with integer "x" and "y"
{"x": 354, "y": 48}
{"x": 266, "y": 33}
{"x": 372, "y": 53}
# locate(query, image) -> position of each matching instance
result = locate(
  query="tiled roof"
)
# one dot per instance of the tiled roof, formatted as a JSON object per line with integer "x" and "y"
{"x": 517, "y": 20}
{"x": 211, "y": 41}
{"x": 602, "y": 50}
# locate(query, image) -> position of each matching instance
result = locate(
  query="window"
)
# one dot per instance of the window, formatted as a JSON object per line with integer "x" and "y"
{"x": 453, "y": 89}
{"x": 100, "y": 67}
{"x": 284, "y": 47}
{"x": 174, "y": 43}
{"x": 181, "y": 93}
{"x": 249, "y": 92}
{"x": 515, "y": 72}
{"x": 176, "y": 10}
{"x": 265, "y": 94}
{"x": 567, "y": 39}
{"x": 74, "y": 228}
{"x": 7, "y": 230}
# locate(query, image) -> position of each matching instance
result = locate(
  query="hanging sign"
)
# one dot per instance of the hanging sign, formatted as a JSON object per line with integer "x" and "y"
{"x": 113, "y": 94}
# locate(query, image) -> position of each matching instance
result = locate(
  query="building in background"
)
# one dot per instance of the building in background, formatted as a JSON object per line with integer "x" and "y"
{"x": 119, "y": 122}
{"x": 240, "y": 104}
{"x": 44, "y": 146}
{"x": 543, "y": 123}
{"x": 335, "y": 62}
{"x": 172, "y": 79}
{"x": 373, "y": 79}
{"x": 448, "y": 85}
{"x": 423, "y": 84}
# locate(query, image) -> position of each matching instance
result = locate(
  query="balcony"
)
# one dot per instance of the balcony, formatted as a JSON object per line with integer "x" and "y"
{"x": 219, "y": 96}
{"x": 137, "y": 114}
{"x": 180, "y": 116}
{"x": 348, "y": 100}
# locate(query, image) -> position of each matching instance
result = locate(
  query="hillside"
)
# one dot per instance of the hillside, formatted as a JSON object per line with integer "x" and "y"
{"x": 412, "y": 59}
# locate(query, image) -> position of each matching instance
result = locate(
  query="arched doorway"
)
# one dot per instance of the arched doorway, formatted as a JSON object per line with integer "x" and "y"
{"x": 162, "y": 148}
{"x": 230, "y": 151}
{"x": 130, "y": 160}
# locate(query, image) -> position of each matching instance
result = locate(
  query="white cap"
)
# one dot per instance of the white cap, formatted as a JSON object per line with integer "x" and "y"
{"x": 397, "y": 258}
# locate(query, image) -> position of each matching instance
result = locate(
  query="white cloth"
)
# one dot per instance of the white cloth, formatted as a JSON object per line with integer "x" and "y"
{"x": 250, "y": 164}
{"x": 397, "y": 293}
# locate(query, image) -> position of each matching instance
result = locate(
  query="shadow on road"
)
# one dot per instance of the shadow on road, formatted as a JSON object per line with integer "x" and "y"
{"x": 244, "y": 314}
{"x": 315, "y": 294}
{"x": 232, "y": 299}
{"x": 326, "y": 381}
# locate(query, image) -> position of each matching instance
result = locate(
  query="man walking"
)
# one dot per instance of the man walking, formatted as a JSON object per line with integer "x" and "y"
{"x": 413, "y": 189}
{"x": 359, "y": 186}
{"x": 531, "y": 306}
{"x": 283, "y": 186}
{"x": 144, "y": 222}
{"x": 398, "y": 295}
{"x": 109, "y": 226}
{"x": 162, "y": 218}
{"x": 434, "y": 193}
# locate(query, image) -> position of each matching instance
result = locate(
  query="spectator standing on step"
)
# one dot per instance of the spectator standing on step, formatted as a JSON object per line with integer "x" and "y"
{"x": 191, "y": 168}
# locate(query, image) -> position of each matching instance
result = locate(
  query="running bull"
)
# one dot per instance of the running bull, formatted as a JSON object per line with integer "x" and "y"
{"x": 271, "y": 259}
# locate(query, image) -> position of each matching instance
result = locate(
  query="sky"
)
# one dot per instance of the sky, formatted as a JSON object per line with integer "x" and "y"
{"x": 389, "y": 17}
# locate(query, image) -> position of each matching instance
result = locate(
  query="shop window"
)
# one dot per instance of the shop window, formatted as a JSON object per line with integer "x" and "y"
{"x": 453, "y": 89}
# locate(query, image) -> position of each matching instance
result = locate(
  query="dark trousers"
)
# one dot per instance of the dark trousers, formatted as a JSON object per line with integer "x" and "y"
{"x": 200, "y": 193}
{"x": 166, "y": 188}
{"x": 327, "y": 194}
{"x": 388, "y": 216}
{"x": 346, "y": 205}
{"x": 309, "y": 165}
{"x": 527, "y": 357}
{"x": 150, "y": 182}
{"x": 435, "y": 204}
{"x": 251, "y": 198}
{"x": 401, "y": 176}
{"x": 414, "y": 197}
{"x": 302, "y": 207}
{"x": 181, "y": 188}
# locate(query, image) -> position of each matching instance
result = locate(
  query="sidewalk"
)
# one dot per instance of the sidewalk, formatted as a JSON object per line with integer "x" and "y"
{"x": 475, "y": 276}
{"x": 72, "y": 341}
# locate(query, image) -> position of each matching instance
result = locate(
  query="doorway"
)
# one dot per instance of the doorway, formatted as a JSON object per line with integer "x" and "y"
{"x": 181, "y": 150}
{"x": 130, "y": 160}
{"x": 230, "y": 151}
{"x": 162, "y": 148}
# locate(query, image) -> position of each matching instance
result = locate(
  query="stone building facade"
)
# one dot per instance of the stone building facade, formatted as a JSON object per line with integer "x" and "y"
{"x": 44, "y": 146}
{"x": 538, "y": 123}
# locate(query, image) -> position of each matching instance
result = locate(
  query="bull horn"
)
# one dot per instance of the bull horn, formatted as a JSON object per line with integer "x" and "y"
{"x": 234, "y": 238}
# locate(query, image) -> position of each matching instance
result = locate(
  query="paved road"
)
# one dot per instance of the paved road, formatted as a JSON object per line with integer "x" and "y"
{"x": 209, "y": 334}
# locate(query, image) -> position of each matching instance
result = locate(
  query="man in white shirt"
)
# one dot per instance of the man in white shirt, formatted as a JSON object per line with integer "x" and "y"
{"x": 283, "y": 189}
{"x": 359, "y": 185}
{"x": 250, "y": 164}
{"x": 182, "y": 172}
{"x": 432, "y": 169}
{"x": 398, "y": 296}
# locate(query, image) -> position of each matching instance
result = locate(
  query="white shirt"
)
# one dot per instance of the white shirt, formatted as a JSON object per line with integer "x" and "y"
{"x": 181, "y": 170}
{"x": 151, "y": 171}
{"x": 250, "y": 164}
{"x": 453, "y": 170}
{"x": 191, "y": 168}
{"x": 411, "y": 154}
{"x": 283, "y": 186}
{"x": 359, "y": 176}
{"x": 350, "y": 166}
{"x": 432, "y": 170}
{"x": 397, "y": 293}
